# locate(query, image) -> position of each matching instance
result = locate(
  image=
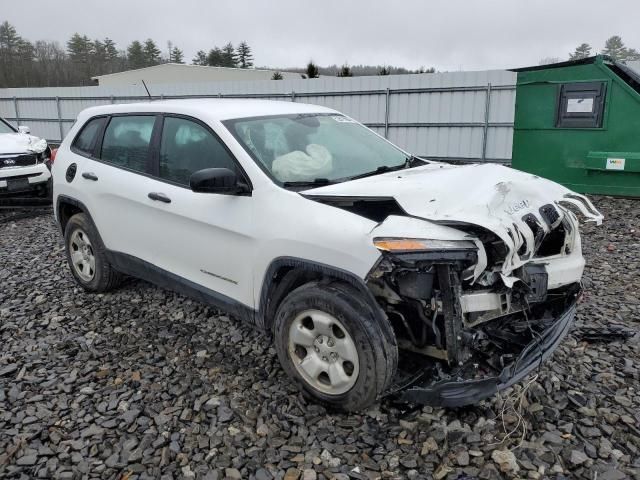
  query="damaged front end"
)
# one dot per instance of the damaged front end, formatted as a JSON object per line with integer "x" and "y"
{"x": 479, "y": 274}
{"x": 466, "y": 334}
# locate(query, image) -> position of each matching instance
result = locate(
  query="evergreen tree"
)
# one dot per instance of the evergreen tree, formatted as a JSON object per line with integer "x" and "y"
{"x": 243, "y": 54}
{"x": 614, "y": 47}
{"x": 384, "y": 71}
{"x": 345, "y": 71}
{"x": 99, "y": 54}
{"x": 110, "y": 50}
{"x": 276, "y": 76}
{"x": 176, "y": 55}
{"x": 215, "y": 58}
{"x": 135, "y": 55}
{"x": 582, "y": 51}
{"x": 80, "y": 50}
{"x": 200, "y": 58}
{"x": 312, "y": 70}
{"x": 229, "y": 58}
{"x": 151, "y": 53}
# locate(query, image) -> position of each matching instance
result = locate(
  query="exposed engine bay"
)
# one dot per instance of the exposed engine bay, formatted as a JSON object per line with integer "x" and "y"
{"x": 456, "y": 326}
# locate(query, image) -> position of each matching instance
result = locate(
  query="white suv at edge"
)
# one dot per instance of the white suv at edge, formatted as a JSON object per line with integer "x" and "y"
{"x": 377, "y": 273}
{"x": 24, "y": 162}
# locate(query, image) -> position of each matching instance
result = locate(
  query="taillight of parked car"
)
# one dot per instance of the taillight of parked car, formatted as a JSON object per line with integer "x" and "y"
{"x": 54, "y": 151}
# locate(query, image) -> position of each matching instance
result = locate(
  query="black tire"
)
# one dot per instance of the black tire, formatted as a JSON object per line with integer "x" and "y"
{"x": 369, "y": 328}
{"x": 105, "y": 277}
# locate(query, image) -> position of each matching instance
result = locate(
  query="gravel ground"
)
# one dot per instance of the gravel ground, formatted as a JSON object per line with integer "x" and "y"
{"x": 143, "y": 383}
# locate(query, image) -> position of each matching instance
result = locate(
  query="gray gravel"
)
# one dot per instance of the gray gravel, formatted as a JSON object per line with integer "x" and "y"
{"x": 143, "y": 383}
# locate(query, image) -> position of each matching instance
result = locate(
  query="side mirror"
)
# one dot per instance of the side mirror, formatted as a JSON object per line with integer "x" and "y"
{"x": 217, "y": 180}
{"x": 24, "y": 129}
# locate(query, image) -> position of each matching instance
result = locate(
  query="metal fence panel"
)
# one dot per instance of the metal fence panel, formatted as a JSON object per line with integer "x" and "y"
{"x": 451, "y": 115}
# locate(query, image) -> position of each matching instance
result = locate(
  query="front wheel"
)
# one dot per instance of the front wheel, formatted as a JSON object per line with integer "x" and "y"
{"x": 335, "y": 346}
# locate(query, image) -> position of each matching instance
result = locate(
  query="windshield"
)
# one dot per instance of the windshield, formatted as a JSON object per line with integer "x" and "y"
{"x": 316, "y": 148}
{"x": 4, "y": 128}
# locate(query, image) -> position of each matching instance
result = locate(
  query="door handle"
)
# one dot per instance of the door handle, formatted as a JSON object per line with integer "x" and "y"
{"x": 90, "y": 176}
{"x": 160, "y": 197}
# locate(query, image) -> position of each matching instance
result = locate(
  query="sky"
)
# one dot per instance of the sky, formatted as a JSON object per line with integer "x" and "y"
{"x": 449, "y": 35}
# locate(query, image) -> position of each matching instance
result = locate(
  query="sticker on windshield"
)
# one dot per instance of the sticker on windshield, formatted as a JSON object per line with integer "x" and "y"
{"x": 342, "y": 119}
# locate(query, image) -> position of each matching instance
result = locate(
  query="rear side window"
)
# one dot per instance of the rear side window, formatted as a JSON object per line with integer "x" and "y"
{"x": 187, "y": 147}
{"x": 86, "y": 139}
{"x": 126, "y": 141}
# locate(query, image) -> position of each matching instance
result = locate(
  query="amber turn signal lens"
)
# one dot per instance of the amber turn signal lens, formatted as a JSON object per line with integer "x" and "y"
{"x": 396, "y": 244}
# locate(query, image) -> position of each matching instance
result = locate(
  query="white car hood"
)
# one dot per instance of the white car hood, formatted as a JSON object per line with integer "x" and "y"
{"x": 21, "y": 143}
{"x": 487, "y": 195}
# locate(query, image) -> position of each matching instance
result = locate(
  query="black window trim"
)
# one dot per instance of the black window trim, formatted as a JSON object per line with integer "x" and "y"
{"x": 581, "y": 121}
{"x": 156, "y": 156}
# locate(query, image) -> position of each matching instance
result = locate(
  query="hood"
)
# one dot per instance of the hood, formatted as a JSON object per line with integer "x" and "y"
{"x": 490, "y": 196}
{"x": 21, "y": 143}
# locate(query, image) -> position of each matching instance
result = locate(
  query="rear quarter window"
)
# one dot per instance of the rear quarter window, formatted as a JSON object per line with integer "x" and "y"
{"x": 85, "y": 141}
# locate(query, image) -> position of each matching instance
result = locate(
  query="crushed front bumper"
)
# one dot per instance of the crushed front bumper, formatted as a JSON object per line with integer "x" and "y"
{"x": 458, "y": 393}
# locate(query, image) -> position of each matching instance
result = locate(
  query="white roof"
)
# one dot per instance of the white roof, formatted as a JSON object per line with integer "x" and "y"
{"x": 211, "y": 108}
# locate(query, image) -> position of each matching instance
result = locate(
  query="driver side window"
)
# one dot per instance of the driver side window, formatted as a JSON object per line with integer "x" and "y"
{"x": 187, "y": 147}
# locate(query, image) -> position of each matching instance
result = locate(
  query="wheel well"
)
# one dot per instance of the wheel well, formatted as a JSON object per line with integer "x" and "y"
{"x": 289, "y": 274}
{"x": 66, "y": 210}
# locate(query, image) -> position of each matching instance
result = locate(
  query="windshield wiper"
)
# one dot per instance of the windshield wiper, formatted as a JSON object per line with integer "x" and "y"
{"x": 409, "y": 163}
{"x": 316, "y": 182}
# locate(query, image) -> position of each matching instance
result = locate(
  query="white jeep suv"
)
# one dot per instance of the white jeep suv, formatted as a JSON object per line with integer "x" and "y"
{"x": 377, "y": 273}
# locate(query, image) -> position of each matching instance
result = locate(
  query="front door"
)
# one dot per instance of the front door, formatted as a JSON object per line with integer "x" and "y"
{"x": 204, "y": 238}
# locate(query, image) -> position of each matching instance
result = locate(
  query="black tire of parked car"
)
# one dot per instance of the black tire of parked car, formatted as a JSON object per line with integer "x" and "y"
{"x": 370, "y": 329}
{"x": 106, "y": 277}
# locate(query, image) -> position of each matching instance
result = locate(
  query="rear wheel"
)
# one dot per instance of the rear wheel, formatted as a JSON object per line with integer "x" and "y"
{"x": 337, "y": 348}
{"x": 86, "y": 256}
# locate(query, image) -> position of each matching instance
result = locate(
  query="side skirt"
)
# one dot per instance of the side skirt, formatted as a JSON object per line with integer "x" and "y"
{"x": 138, "y": 268}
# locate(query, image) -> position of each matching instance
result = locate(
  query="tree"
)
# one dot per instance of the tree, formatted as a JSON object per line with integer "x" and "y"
{"x": 632, "y": 55}
{"x": 215, "y": 58}
{"x": 135, "y": 55}
{"x": 276, "y": 76}
{"x": 244, "y": 56}
{"x": 345, "y": 71}
{"x": 229, "y": 58}
{"x": 110, "y": 50}
{"x": 176, "y": 55}
{"x": 151, "y": 53}
{"x": 614, "y": 47}
{"x": 80, "y": 50}
{"x": 312, "y": 70}
{"x": 384, "y": 71}
{"x": 582, "y": 51}
{"x": 200, "y": 58}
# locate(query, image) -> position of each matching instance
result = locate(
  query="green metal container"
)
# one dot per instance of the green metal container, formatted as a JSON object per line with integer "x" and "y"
{"x": 578, "y": 123}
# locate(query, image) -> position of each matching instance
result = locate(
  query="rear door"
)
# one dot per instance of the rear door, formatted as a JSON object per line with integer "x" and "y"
{"x": 204, "y": 238}
{"x": 116, "y": 181}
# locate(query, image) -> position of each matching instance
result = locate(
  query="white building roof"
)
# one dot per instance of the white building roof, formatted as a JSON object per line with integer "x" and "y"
{"x": 183, "y": 73}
